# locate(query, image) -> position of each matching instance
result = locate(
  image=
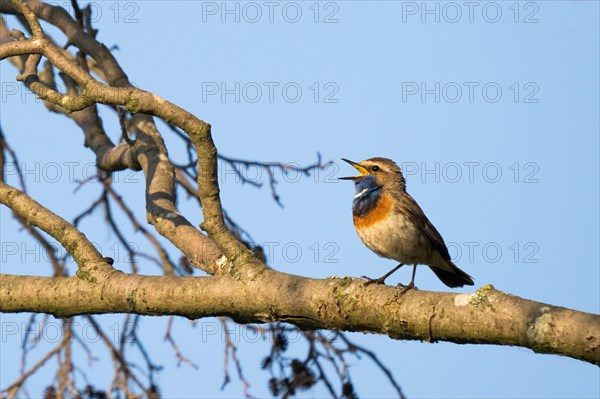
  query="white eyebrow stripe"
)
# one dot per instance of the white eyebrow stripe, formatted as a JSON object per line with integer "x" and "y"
{"x": 360, "y": 193}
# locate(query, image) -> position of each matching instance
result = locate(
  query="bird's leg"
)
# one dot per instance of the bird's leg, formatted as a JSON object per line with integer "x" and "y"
{"x": 412, "y": 281}
{"x": 381, "y": 279}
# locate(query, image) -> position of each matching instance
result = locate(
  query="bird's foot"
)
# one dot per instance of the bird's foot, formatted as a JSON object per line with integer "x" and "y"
{"x": 405, "y": 288}
{"x": 380, "y": 280}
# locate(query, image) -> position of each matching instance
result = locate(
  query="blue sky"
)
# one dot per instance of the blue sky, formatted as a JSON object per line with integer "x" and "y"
{"x": 490, "y": 108}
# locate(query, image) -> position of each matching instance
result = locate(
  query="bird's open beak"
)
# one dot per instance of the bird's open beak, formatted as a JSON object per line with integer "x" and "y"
{"x": 356, "y": 166}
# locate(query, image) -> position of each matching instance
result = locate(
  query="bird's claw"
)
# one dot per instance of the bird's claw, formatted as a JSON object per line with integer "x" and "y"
{"x": 370, "y": 280}
{"x": 405, "y": 288}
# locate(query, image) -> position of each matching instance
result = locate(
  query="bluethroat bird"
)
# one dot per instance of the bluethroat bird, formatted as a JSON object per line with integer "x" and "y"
{"x": 391, "y": 223}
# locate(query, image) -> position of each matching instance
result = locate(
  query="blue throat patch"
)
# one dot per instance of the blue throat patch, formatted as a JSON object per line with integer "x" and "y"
{"x": 368, "y": 195}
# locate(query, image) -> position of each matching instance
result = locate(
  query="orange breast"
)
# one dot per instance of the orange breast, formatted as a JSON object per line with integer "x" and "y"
{"x": 377, "y": 214}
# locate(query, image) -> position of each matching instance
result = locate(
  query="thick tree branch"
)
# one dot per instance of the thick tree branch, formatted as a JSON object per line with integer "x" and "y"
{"x": 487, "y": 316}
{"x": 32, "y": 20}
{"x": 160, "y": 199}
{"x": 83, "y": 251}
{"x": 240, "y": 257}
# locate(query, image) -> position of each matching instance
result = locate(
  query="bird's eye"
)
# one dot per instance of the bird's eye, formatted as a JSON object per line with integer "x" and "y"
{"x": 375, "y": 168}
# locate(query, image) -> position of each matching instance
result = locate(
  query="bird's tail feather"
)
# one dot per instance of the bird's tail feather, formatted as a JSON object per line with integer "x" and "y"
{"x": 455, "y": 278}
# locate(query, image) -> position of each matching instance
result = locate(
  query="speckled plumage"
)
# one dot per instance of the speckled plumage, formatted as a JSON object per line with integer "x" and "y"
{"x": 391, "y": 223}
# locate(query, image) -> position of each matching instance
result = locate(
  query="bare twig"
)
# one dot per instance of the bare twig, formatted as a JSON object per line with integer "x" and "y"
{"x": 231, "y": 350}
{"x": 180, "y": 357}
{"x": 13, "y": 389}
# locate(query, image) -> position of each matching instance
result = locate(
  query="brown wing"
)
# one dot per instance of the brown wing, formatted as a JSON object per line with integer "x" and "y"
{"x": 411, "y": 209}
